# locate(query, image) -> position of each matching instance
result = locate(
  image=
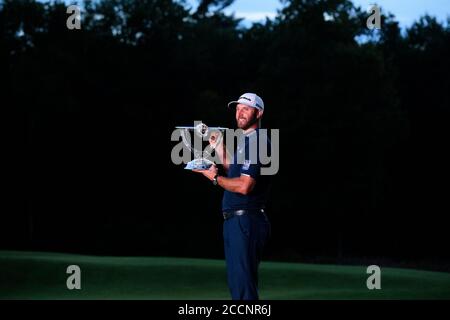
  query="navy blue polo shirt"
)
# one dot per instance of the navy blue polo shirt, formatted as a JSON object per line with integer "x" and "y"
{"x": 247, "y": 162}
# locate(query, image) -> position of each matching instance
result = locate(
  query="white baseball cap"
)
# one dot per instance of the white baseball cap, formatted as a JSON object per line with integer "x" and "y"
{"x": 251, "y": 100}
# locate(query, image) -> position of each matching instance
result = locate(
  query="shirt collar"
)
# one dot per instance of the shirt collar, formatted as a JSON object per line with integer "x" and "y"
{"x": 248, "y": 134}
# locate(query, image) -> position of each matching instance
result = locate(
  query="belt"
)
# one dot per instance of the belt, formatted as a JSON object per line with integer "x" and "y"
{"x": 231, "y": 213}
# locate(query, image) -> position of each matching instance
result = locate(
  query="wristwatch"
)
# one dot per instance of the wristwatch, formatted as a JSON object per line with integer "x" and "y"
{"x": 215, "y": 182}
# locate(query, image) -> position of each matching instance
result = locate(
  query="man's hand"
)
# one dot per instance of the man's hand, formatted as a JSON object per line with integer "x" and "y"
{"x": 210, "y": 173}
{"x": 216, "y": 140}
{"x": 216, "y": 143}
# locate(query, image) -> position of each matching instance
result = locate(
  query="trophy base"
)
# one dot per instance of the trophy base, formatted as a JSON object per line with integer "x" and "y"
{"x": 199, "y": 164}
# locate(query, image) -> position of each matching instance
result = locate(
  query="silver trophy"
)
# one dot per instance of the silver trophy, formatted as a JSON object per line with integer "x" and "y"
{"x": 202, "y": 158}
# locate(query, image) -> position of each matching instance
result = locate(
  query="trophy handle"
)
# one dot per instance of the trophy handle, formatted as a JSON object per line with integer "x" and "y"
{"x": 186, "y": 138}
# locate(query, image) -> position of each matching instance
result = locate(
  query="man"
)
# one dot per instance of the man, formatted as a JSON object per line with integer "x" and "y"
{"x": 246, "y": 228}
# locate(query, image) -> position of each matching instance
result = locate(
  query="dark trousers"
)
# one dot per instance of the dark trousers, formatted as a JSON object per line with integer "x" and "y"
{"x": 244, "y": 240}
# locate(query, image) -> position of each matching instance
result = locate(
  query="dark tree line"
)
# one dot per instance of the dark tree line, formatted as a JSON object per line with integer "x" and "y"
{"x": 363, "y": 127}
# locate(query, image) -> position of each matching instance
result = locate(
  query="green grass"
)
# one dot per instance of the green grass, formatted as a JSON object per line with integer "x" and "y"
{"x": 38, "y": 275}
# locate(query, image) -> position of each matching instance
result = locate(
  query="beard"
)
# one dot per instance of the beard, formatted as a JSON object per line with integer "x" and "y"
{"x": 245, "y": 123}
